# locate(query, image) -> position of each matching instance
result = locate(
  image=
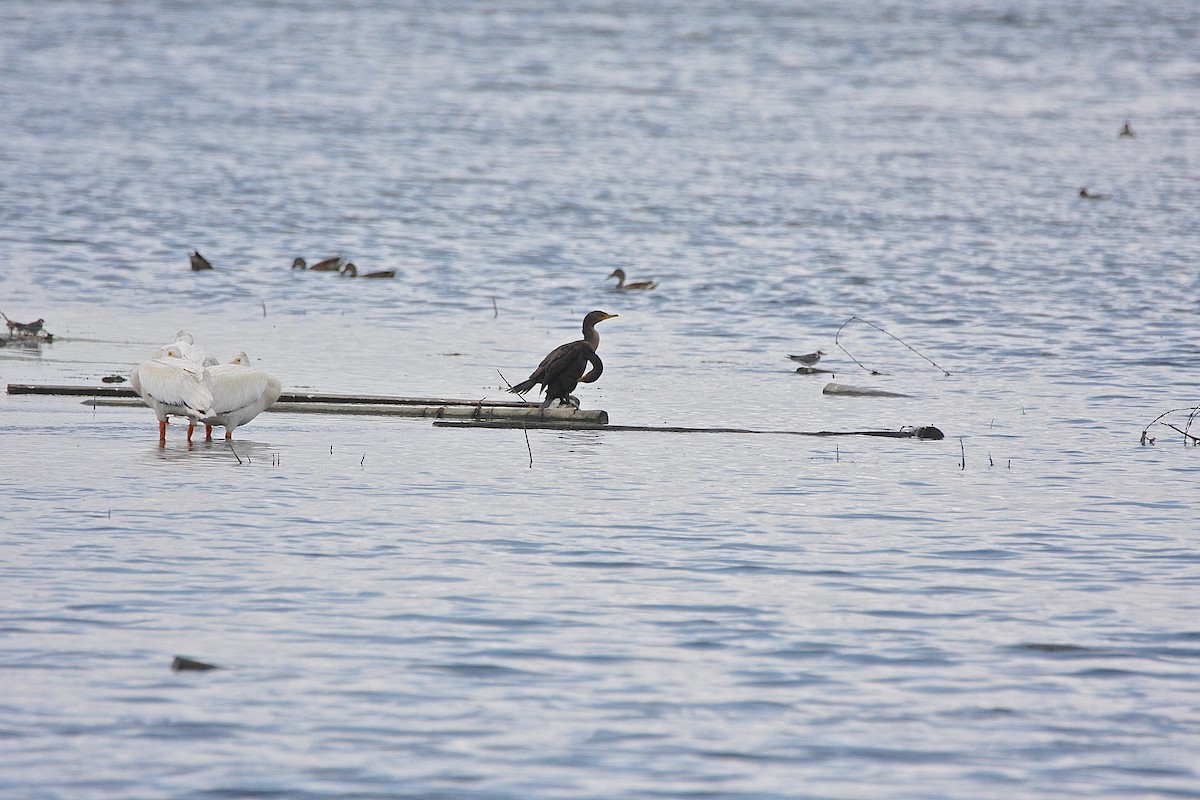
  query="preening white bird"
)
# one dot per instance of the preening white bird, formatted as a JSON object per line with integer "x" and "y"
{"x": 193, "y": 351}
{"x": 173, "y": 385}
{"x": 240, "y": 393}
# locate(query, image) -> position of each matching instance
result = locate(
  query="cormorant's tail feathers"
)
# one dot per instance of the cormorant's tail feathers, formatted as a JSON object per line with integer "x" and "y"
{"x": 523, "y": 386}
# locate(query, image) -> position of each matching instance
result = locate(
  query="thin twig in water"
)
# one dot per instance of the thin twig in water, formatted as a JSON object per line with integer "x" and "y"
{"x": 1193, "y": 411}
{"x": 495, "y": 311}
{"x": 363, "y": 463}
{"x": 235, "y": 455}
{"x": 523, "y": 428}
{"x": 881, "y": 330}
{"x": 963, "y": 450}
{"x": 264, "y": 305}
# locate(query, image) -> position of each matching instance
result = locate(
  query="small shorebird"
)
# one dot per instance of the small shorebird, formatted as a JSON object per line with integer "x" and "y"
{"x": 808, "y": 359}
{"x": 633, "y": 286}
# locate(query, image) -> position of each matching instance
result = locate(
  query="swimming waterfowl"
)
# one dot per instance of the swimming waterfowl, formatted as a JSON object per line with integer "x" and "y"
{"x": 351, "y": 271}
{"x": 199, "y": 262}
{"x": 1084, "y": 193}
{"x": 1126, "y": 131}
{"x": 634, "y": 286}
{"x": 808, "y": 359}
{"x": 173, "y": 385}
{"x": 562, "y": 369}
{"x": 239, "y": 394}
{"x": 325, "y": 265}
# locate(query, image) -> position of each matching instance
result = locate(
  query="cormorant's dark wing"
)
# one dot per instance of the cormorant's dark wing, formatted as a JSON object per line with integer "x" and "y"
{"x": 563, "y": 361}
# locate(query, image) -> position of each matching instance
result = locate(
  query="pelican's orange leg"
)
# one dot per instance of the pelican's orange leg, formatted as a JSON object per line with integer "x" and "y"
{"x": 208, "y": 433}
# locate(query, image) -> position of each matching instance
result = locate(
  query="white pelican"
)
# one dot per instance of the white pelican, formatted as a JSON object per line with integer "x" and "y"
{"x": 193, "y": 351}
{"x": 240, "y": 393}
{"x": 173, "y": 385}
{"x": 635, "y": 286}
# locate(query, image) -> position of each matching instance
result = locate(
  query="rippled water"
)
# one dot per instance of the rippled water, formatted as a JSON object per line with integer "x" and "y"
{"x": 409, "y": 611}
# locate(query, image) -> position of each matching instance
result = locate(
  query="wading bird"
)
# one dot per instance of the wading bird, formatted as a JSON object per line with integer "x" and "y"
{"x": 173, "y": 385}
{"x": 240, "y": 393}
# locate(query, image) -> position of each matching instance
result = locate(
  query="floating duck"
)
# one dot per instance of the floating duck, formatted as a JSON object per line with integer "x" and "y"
{"x": 1085, "y": 194}
{"x": 351, "y": 271}
{"x": 240, "y": 393}
{"x": 173, "y": 385}
{"x": 199, "y": 262}
{"x": 326, "y": 265}
{"x": 633, "y": 286}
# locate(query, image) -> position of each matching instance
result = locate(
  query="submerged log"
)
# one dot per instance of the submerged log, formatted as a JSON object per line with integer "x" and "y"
{"x": 927, "y": 432}
{"x": 459, "y": 410}
{"x": 286, "y": 397}
{"x": 846, "y": 390}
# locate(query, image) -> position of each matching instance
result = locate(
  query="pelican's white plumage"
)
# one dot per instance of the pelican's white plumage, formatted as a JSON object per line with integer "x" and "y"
{"x": 173, "y": 385}
{"x": 240, "y": 393}
{"x": 193, "y": 351}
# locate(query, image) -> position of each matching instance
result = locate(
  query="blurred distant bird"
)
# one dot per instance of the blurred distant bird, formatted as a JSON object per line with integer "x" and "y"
{"x": 173, "y": 385}
{"x": 351, "y": 271}
{"x": 199, "y": 262}
{"x": 808, "y": 359}
{"x": 240, "y": 393}
{"x": 1126, "y": 131}
{"x": 562, "y": 370}
{"x": 25, "y": 328}
{"x": 634, "y": 286}
{"x": 1084, "y": 193}
{"x": 326, "y": 265}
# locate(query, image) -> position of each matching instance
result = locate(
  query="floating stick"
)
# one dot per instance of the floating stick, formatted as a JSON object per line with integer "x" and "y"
{"x": 881, "y": 330}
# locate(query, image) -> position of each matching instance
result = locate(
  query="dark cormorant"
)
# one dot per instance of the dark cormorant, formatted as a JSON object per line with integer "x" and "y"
{"x": 351, "y": 271}
{"x": 562, "y": 370}
{"x": 622, "y": 286}
{"x": 199, "y": 262}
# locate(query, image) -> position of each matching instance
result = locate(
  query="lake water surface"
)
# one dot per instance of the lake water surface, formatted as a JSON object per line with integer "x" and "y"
{"x": 404, "y": 611}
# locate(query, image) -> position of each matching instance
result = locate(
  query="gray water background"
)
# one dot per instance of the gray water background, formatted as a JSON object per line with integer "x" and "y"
{"x": 414, "y": 612}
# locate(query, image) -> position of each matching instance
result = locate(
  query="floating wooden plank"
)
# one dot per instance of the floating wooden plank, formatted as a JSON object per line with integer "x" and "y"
{"x": 924, "y": 432}
{"x": 846, "y": 390}
{"x": 531, "y": 413}
{"x": 286, "y": 397}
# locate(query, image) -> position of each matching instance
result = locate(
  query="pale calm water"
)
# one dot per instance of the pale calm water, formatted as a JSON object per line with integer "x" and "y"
{"x": 405, "y": 611}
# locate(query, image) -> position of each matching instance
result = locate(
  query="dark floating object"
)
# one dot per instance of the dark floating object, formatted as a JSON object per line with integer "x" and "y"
{"x": 181, "y": 664}
{"x": 813, "y": 371}
{"x": 808, "y": 359}
{"x": 1085, "y": 194}
{"x": 560, "y": 371}
{"x": 351, "y": 271}
{"x": 927, "y": 432}
{"x": 199, "y": 262}
{"x": 326, "y": 265}
{"x": 632, "y": 286}
{"x": 113, "y": 379}
{"x": 1126, "y": 131}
